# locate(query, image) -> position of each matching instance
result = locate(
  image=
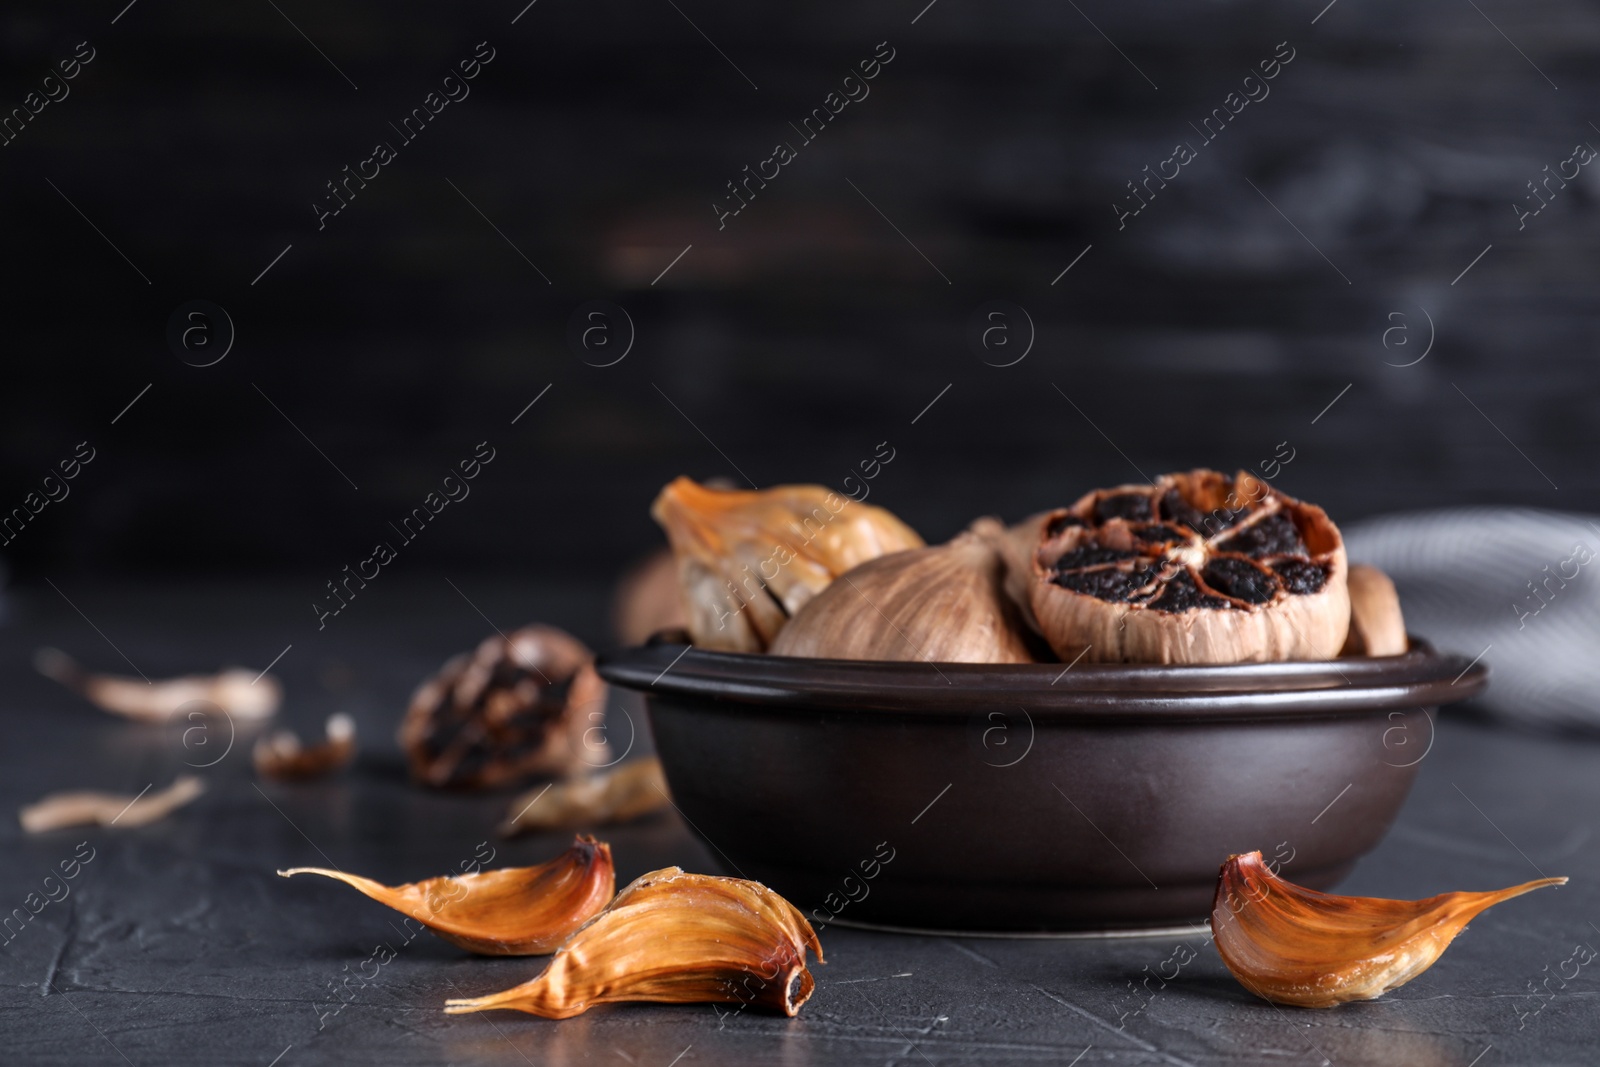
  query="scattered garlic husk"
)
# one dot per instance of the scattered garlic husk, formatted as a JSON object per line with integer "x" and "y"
{"x": 748, "y": 560}
{"x": 621, "y": 794}
{"x": 238, "y": 692}
{"x": 60, "y": 810}
{"x": 281, "y": 757}
{"x": 945, "y": 604}
{"x": 1377, "y": 628}
{"x": 1296, "y": 946}
{"x": 513, "y": 911}
{"x": 1196, "y": 567}
{"x": 675, "y": 938}
{"x": 518, "y": 706}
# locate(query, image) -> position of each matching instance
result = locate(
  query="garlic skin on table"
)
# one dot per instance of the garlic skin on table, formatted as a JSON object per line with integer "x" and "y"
{"x": 748, "y": 560}
{"x": 1296, "y": 946}
{"x": 675, "y": 938}
{"x": 245, "y": 695}
{"x": 616, "y": 795}
{"x": 945, "y": 604}
{"x": 59, "y": 810}
{"x": 281, "y": 757}
{"x": 512, "y": 911}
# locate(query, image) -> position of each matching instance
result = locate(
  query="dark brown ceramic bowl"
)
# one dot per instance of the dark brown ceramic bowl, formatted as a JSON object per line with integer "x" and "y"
{"x": 1017, "y": 798}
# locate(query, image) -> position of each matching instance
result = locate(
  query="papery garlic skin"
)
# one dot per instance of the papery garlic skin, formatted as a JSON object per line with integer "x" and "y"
{"x": 675, "y": 938}
{"x": 237, "y": 692}
{"x": 944, "y": 604}
{"x": 281, "y": 757}
{"x": 748, "y": 560}
{"x": 59, "y": 810}
{"x": 512, "y": 911}
{"x": 1299, "y": 947}
{"x": 616, "y": 795}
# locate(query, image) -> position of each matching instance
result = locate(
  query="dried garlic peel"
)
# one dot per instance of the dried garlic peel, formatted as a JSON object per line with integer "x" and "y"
{"x": 514, "y": 911}
{"x": 1296, "y": 946}
{"x": 750, "y": 559}
{"x": 630, "y": 791}
{"x": 675, "y": 938}
{"x": 60, "y": 810}
{"x": 281, "y": 756}
{"x": 235, "y": 691}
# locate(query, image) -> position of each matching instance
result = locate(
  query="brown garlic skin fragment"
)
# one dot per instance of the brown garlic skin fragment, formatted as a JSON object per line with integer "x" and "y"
{"x": 514, "y": 708}
{"x": 1296, "y": 946}
{"x": 60, "y": 810}
{"x": 281, "y": 757}
{"x": 246, "y": 695}
{"x": 748, "y": 560}
{"x": 617, "y": 795}
{"x": 513, "y": 911}
{"x": 1134, "y": 628}
{"x": 945, "y": 604}
{"x": 675, "y": 938}
{"x": 1377, "y": 628}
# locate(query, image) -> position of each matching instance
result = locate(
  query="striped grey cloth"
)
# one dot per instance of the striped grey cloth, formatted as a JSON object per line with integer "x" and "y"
{"x": 1514, "y": 584}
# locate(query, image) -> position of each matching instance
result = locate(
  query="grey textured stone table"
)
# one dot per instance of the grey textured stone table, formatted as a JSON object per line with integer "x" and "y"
{"x": 178, "y": 945}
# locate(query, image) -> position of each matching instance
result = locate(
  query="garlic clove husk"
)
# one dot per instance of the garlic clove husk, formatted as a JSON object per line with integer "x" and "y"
{"x": 621, "y": 794}
{"x": 281, "y": 757}
{"x": 241, "y": 693}
{"x": 1296, "y": 946}
{"x": 674, "y": 938}
{"x": 944, "y": 604}
{"x": 1377, "y": 627}
{"x": 59, "y": 810}
{"x": 512, "y": 911}
{"x": 748, "y": 560}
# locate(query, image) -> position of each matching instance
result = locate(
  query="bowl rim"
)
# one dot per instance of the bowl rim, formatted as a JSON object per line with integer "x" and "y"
{"x": 1419, "y": 678}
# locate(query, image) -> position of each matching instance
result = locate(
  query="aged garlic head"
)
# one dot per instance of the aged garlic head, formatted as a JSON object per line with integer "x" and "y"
{"x": 748, "y": 560}
{"x": 945, "y": 604}
{"x": 1292, "y": 945}
{"x": 518, "y": 706}
{"x": 1194, "y": 568}
{"x": 675, "y": 938}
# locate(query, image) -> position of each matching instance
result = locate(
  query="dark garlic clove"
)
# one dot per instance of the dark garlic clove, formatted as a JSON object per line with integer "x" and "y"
{"x": 1296, "y": 946}
{"x": 675, "y": 938}
{"x": 513, "y": 911}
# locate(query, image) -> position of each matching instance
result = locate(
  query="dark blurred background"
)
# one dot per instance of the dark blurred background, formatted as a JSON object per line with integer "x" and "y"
{"x": 1305, "y": 250}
